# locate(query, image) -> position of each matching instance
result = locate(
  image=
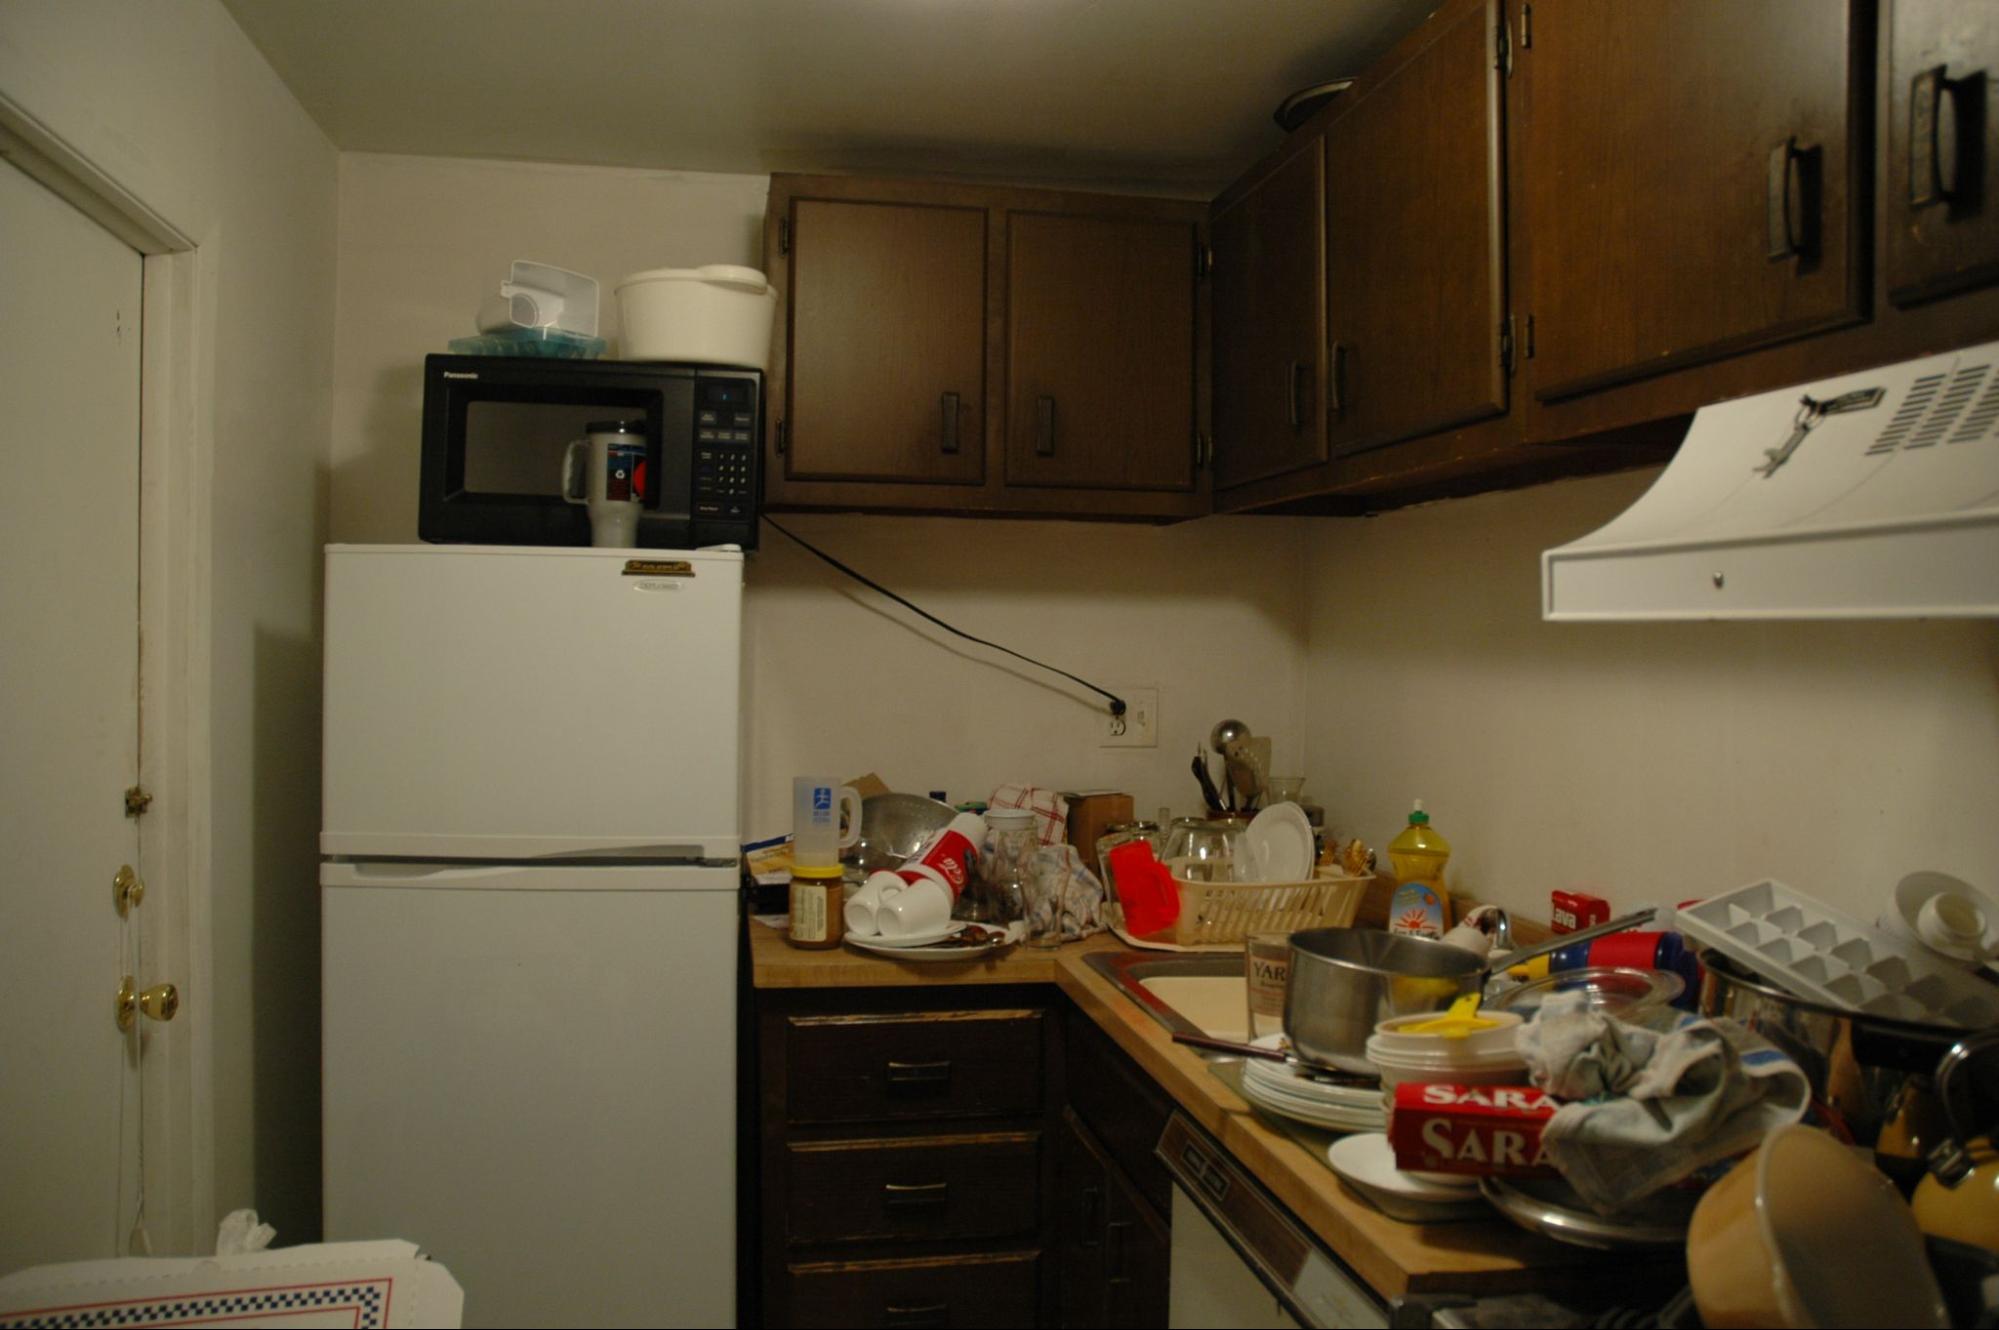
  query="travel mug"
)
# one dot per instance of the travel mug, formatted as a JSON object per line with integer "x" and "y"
{"x": 609, "y": 480}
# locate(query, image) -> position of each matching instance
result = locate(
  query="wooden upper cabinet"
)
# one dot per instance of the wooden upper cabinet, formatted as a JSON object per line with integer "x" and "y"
{"x": 1270, "y": 321}
{"x": 1691, "y": 181}
{"x": 885, "y": 361}
{"x": 1100, "y": 351}
{"x": 1415, "y": 284}
{"x": 1942, "y": 192}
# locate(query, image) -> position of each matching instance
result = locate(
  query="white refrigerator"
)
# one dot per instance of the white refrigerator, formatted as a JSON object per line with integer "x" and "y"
{"x": 529, "y": 886}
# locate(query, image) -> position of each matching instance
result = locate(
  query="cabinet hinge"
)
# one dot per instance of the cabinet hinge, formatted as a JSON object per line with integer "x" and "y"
{"x": 783, "y": 438}
{"x": 784, "y": 235}
{"x": 1506, "y": 345}
{"x": 137, "y": 800}
{"x": 1526, "y": 27}
{"x": 1204, "y": 262}
{"x": 1530, "y": 337}
{"x": 1502, "y": 47}
{"x": 1204, "y": 450}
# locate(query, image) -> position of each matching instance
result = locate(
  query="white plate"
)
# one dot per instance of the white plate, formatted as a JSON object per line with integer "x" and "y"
{"x": 1280, "y": 843}
{"x": 877, "y": 942}
{"x": 941, "y": 950}
{"x": 1281, "y": 1078}
{"x": 1317, "y": 1115}
{"x": 1369, "y": 1161}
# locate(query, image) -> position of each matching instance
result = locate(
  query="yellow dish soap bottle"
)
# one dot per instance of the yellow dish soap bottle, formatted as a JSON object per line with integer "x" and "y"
{"x": 1421, "y": 907}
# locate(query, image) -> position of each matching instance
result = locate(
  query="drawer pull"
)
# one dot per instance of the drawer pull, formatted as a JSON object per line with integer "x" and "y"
{"x": 1939, "y": 107}
{"x": 949, "y": 437}
{"x": 936, "y": 1313}
{"x": 914, "y": 1196}
{"x": 909, "y": 1075}
{"x": 1792, "y": 202}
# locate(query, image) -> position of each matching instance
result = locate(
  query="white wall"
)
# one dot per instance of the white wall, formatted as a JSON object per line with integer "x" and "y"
{"x": 1645, "y": 761}
{"x": 840, "y": 682}
{"x": 172, "y": 101}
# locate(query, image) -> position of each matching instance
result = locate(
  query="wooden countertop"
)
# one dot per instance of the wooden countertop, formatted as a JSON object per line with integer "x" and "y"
{"x": 1396, "y": 1258}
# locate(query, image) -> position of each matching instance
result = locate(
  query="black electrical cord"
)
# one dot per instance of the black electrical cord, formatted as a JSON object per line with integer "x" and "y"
{"x": 1117, "y": 703}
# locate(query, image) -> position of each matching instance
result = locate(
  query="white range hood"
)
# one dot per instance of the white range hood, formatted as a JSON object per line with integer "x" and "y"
{"x": 1872, "y": 495}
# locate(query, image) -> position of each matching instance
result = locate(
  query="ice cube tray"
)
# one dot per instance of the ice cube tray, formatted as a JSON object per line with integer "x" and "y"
{"x": 1821, "y": 954}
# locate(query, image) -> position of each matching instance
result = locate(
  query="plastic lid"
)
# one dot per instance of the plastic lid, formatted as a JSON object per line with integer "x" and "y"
{"x": 817, "y": 871}
{"x": 1417, "y": 817}
{"x": 721, "y": 274}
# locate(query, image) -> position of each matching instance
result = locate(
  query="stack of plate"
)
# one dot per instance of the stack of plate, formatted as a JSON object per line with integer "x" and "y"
{"x": 1289, "y": 1091}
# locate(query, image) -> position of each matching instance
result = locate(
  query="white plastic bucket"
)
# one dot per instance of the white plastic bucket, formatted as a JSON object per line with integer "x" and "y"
{"x": 715, "y": 315}
{"x": 1484, "y": 1057}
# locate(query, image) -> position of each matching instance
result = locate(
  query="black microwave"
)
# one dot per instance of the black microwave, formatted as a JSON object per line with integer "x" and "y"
{"x": 495, "y": 429}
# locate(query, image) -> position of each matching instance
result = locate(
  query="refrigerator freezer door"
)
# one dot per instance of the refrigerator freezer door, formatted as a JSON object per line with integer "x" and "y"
{"x": 537, "y": 1086}
{"x": 515, "y": 703}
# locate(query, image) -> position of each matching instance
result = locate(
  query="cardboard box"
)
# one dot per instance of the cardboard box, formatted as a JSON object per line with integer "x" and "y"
{"x": 1091, "y": 813}
{"x": 1472, "y": 1129}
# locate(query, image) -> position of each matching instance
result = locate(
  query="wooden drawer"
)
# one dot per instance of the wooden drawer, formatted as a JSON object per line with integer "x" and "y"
{"x": 909, "y": 1066}
{"x": 926, "y": 1188}
{"x": 957, "y": 1291}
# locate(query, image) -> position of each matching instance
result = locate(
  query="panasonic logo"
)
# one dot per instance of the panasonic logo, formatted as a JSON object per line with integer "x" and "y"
{"x": 457, "y": 374}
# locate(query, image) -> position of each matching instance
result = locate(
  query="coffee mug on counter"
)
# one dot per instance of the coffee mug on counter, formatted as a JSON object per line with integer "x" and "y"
{"x": 605, "y": 472}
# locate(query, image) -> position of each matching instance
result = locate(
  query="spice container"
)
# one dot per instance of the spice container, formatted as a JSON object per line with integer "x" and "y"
{"x": 817, "y": 922}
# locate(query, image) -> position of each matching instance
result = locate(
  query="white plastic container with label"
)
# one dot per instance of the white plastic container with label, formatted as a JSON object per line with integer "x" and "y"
{"x": 719, "y": 314}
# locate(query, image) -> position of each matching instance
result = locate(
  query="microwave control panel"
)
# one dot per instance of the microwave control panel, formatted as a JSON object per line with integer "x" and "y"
{"x": 725, "y": 451}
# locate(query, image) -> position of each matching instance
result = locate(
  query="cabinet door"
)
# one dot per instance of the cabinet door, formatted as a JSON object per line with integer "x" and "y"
{"x": 1415, "y": 286}
{"x": 1690, "y": 182}
{"x": 1270, "y": 323}
{"x": 1115, "y": 1249}
{"x": 887, "y": 342}
{"x": 1943, "y": 148}
{"x": 1100, "y": 352}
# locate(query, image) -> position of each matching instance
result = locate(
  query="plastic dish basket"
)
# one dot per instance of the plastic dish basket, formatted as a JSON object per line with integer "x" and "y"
{"x": 1220, "y": 912}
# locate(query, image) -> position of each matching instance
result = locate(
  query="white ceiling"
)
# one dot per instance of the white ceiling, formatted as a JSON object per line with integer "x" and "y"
{"x": 1166, "y": 95}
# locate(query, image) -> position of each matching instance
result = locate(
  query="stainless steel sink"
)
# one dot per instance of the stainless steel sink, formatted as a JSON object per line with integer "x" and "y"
{"x": 1203, "y": 994}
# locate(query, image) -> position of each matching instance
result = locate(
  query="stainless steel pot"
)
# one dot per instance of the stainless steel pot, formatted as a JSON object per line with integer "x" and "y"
{"x": 1345, "y": 981}
{"x": 1856, "y": 1064}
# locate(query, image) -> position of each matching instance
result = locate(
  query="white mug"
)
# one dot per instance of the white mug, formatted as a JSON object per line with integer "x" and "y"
{"x": 922, "y": 906}
{"x": 610, "y": 481}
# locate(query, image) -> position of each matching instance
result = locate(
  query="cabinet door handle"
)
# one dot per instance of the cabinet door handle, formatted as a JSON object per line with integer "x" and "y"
{"x": 1114, "y": 1248}
{"x": 918, "y": 1074}
{"x": 1942, "y": 116}
{"x": 1295, "y": 391}
{"x": 1792, "y": 201}
{"x": 1336, "y": 373}
{"x": 915, "y": 1195}
{"x": 1044, "y": 426}
{"x": 1093, "y": 1218}
{"x": 950, "y": 434}
{"x": 935, "y": 1313}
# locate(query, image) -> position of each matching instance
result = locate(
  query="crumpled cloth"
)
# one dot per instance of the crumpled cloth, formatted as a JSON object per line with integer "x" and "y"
{"x": 1658, "y": 1104}
{"x": 1062, "y": 893}
{"x": 239, "y": 1234}
{"x": 1051, "y": 810}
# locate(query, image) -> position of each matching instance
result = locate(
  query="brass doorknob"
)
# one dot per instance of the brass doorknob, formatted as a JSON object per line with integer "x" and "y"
{"x": 158, "y": 1003}
{"x": 127, "y": 888}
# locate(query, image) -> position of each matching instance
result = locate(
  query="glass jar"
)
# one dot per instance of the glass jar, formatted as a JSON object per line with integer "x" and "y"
{"x": 1204, "y": 849}
{"x": 1001, "y": 897}
{"x": 1123, "y": 833}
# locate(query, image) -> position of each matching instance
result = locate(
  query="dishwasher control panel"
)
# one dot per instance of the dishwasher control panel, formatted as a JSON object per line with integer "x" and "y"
{"x": 1309, "y": 1281}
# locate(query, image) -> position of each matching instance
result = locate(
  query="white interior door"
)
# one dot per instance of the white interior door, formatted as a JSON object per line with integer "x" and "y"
{"x": 69, "y": 607}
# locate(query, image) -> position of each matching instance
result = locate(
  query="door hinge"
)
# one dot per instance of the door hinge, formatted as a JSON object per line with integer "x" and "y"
{"x": 1506, "y": 345}
{"x": 784, "y": 235}
{"x": 137, "y": 800}
{"x": 783, "y": 441}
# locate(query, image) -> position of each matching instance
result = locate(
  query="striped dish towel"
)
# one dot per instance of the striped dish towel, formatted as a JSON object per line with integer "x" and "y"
{"x": 1051, "y": 810}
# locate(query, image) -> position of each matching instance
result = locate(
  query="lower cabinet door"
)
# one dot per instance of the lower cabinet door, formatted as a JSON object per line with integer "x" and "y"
{"x": 1115, "y": 1249}
{"x": 958, "y": 1291}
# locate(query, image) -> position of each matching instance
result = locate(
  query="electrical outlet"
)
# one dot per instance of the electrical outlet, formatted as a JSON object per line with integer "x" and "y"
{"x": 1138, "y": 727}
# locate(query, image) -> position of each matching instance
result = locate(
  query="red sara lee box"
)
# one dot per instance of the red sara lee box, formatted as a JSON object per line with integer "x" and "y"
{"x": 1476, "y": 1129}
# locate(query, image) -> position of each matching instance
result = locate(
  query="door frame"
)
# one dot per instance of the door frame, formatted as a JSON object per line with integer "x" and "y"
{"x": 176, "y": 458}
